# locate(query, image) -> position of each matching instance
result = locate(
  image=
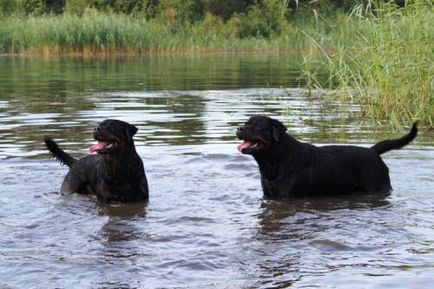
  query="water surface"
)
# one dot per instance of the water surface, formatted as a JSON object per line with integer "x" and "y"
{"x": 206, "y": 224}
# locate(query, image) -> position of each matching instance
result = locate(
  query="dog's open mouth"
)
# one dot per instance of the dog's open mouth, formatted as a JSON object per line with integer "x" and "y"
{"x": 250, "y": 146}
{"x": 102, "y": 146}
{"x": 247, "y": 145}
{"x": 106, "y": 142}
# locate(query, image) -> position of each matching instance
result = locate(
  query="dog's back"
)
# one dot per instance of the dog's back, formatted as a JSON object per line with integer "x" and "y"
{"x": 351, "y": 167}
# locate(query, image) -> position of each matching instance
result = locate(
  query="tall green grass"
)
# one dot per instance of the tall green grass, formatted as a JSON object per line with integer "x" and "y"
{"x": 383, "y": 58}
{"x": 93, "y": 33}
{"x": 97, "y": 32}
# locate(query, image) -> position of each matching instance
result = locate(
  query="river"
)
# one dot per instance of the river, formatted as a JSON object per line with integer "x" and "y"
{"x": 206, "y": 224}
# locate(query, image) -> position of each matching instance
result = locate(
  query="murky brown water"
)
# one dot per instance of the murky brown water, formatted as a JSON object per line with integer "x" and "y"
{"x": 206, "y": 224}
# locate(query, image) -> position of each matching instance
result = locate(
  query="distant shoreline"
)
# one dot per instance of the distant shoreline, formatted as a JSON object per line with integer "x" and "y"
{"x": 382, "y": 59}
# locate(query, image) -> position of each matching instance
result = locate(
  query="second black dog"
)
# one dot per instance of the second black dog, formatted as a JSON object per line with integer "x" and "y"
{"x": 292, "y": 168}
{"x": 114, "y": 174}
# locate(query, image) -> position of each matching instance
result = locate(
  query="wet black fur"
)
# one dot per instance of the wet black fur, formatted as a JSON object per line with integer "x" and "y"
{"x": 292, "y": 168}
{"x": 116, "y": 176}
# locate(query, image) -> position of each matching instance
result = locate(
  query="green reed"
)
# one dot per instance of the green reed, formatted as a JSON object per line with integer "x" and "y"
{"x": 97, "y": 32}
{"x": 383, "y": 59}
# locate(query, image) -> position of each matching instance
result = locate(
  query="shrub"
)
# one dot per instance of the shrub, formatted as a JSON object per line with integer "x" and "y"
{"x": 264, "y": 19}
{"x": 41, "y": 7}
{"x": 76, "y": 7}
{"x": 9, "y": 7}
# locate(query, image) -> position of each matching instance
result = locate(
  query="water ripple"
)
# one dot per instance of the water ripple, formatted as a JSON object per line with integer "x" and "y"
{"x": 206, "y": 224}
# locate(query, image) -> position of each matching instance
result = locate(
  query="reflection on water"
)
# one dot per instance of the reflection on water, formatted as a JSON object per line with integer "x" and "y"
{"x": 297, "y": 238}
{"x": 206, "y": 224}
{"x": 123, "y": 211}
{"x": 274, "y": 214}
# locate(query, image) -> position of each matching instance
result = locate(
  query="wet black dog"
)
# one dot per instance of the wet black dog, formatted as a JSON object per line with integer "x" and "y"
{"x": 292, "y": 168}
{"x": 114, "y": 174}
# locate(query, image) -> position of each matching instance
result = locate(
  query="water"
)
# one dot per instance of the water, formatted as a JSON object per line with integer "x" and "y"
{"x": 206, "y": 224}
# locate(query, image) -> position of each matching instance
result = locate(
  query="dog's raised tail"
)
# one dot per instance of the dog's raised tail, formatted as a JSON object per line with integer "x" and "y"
{"x": 58, "y": 153}
{"x": 392, "y": 144}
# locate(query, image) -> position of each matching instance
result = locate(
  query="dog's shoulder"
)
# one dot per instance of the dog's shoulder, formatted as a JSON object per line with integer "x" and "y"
{"x": 344, "y": 149}
{"x": 86, "y": 166}
{"x": 89, "y": 160}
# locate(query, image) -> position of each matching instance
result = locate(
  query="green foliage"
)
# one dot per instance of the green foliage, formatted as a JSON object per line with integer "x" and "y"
{"x": 382, "y": 57}
{"x": 191, "y": 10}
{"x": 8, "y": 7}
{"x": 41, "y": 7}
{"x": 225, "y": 9}
{"x": 54, "y": 6}
{"x": 264, "y": 19}
{"x": 75, "y": 6}
{"x": 136, "y": 7}
{"x": 34, "y": 7}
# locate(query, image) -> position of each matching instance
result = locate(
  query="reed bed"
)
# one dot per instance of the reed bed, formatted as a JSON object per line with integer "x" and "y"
{"x": 97, "y": 33}
{"x": 384, "y": 60}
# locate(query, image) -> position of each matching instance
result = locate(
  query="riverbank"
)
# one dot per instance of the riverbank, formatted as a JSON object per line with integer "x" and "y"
{"x": 382, "y": 58}
{"x": 101, "y": 33}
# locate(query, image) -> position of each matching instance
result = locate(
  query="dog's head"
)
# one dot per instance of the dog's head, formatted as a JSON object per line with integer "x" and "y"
{"x": 259, "y": 133}
{"x": 112, "y": 136}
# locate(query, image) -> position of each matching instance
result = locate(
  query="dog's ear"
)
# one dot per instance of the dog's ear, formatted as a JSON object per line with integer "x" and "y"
{"x": 278, "y": 129}
{"x": 131, "y": 131}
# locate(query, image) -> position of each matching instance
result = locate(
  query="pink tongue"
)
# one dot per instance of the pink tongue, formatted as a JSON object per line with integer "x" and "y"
{"x": 99, "y": 146}
{"x": 244, "y": 145}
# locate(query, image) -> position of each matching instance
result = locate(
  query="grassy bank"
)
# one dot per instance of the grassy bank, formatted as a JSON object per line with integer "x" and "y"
{"x": 96, "y": 32}
{"x": 383, "y": 58}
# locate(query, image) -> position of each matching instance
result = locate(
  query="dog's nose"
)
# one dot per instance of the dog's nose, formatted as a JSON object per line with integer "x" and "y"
{"x": 240, "y": 128}
{"x": 97, "y": 128}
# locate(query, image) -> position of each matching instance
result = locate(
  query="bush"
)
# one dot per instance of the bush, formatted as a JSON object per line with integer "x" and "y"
{"x": 191, "y": 10}
{"x": 227, "y": 8}
{"x": 41, "y": 7}
{"x": 34, "y": 7}
{"x": 76, "y": 7}
{"x": 9, "y": 7}
{"x": 54, "y": 6}
{"x": 264, "y": 19}
{"x": 137, "y": 7}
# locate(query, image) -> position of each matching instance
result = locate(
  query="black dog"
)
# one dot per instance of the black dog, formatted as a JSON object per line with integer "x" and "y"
{"x": 116, "y": 173}
{"x": 292, "y": 168}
